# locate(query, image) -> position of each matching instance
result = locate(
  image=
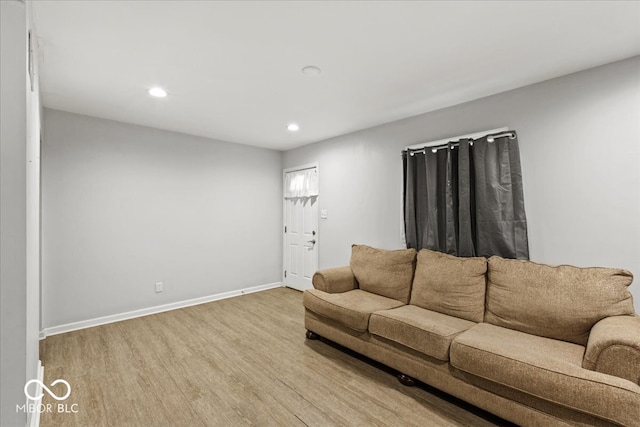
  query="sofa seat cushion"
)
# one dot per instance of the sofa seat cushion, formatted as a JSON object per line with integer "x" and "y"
{"x": 351, "y": 308}
{"x": 426, "y": 331}
{"x": 546, "y": 368}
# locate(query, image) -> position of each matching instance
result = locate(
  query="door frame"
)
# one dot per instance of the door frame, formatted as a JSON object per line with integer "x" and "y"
{"x": 315, "y": 165}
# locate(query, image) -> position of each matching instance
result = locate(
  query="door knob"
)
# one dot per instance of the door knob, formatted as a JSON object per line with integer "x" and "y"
{"x": 313, "y": 242}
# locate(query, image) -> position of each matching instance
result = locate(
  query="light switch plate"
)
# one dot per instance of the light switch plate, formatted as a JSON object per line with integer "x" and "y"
{"x": 324, "y": 214}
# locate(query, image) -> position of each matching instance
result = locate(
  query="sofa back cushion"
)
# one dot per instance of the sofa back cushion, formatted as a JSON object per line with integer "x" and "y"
{"x": 450, "y": 285}
{"x": 562, "y": 302}
{"x": 383, "y": 272}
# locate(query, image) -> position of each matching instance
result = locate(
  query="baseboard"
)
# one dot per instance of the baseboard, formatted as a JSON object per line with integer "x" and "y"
{"x": 34, "y": 417}
{"x": 61, "y": 329}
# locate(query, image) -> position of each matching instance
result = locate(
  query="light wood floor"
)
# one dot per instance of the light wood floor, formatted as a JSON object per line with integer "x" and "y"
{"x": 234, "y": 362}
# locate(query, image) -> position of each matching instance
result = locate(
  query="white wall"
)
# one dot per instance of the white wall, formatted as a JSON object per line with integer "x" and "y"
{"x": 13, "y": 212}
{"x": 126, "y": 206}
{"x": 580, "y": 150}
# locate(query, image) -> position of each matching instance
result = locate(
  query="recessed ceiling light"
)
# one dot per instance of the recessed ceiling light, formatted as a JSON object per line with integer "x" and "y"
{"x": 292, "y": 127}
{"x": 311, "y": 70}
{"x": 158, "y": 92}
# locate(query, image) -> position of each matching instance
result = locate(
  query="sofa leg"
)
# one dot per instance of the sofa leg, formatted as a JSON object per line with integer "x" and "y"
{"x": 312, "y": 335}
{"x": 406, "y": 380}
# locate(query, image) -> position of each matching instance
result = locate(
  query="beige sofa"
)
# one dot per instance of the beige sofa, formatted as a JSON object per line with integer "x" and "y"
{"x": 534, "y": 344}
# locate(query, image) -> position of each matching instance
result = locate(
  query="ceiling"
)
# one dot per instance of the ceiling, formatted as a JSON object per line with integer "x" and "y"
{"x": 232, "y": 70}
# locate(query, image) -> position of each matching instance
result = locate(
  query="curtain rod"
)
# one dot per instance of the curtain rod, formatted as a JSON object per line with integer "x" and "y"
{"x": 456, "y": 143}
{"x": 474, "y": 135}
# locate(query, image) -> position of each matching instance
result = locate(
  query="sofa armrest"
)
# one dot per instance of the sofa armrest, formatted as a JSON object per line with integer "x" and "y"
{"x": 614, "y": 347}
{"x": 335, "y": 280}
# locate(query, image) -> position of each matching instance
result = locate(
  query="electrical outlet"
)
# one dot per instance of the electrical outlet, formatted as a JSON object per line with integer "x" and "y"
{"x": 159, "y": 287}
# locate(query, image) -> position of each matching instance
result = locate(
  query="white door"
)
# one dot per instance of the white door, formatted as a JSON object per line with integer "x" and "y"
{"x": 300, "y": 241}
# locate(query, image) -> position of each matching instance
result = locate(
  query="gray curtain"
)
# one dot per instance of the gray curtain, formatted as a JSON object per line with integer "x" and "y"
{"x": 466, "y": 199}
